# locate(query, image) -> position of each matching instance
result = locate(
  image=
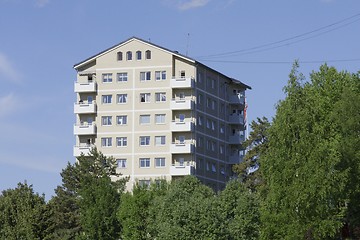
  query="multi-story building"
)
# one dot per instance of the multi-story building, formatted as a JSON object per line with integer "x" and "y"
{"x": 161, "y": 114}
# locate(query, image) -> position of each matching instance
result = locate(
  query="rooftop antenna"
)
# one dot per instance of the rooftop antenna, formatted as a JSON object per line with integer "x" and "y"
{"x": 187, "y": 44}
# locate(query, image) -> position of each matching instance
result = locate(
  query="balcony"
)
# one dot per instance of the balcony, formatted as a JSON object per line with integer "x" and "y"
{"x": 178, "y": 148}
{"x": 181, "y": 104}
{"x": 237, "y": 99}
{"x": 85, "y": 149}
{"x": 179, "y": 82}
{"x": 236, "y": 119}
{"x": 82, "y": 87}
{"x": 84, "y": 129}
{"x": 177, "y": 170}
{"x": 236, "y": 139}
{"x": 235, "y": 159}
{"x": 85, "y": 107}
{"x": 181, "y": 126}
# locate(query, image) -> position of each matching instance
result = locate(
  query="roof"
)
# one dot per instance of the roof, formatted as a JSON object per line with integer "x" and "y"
{"x": 162, "y": 48}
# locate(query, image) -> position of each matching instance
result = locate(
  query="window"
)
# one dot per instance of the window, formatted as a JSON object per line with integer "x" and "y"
{"x": 121, "y": 98}
{"x": 148, "y": 54}
{"x": 212, "y": 83}
{"x": 213, "y": 145}
{"x": 144, "y": 162}
{"x": 208, "y": 144}
{"x": 182, "y": 117}
{"x": 213, "y": 125}
{"x": 207, "y": 123}
{"x": 121, "y": 120}
{"x": 200, "y": 141}
{"x": 200, "y": 120}
{"x": 160, "y": 75}
{"x": 145, "y": 76}
{"x": 181, "y": 161}
{"x": 144, "y": 97}
{"x": 129, "y": 55}
{"x": 121, "y": 141}
{"x": 121, "y": 163}
{"x": 122, "y": 77}
{"x": 221, "y": 149}
{"x": 144, "y": 140}
{"x": 144, "y": 119}
{"x": 106, "y": 142}
{"x": 106, "y": 120}
{"x": 213, "y": 104}
{"x": 182, "y": 74}
{"x": 200, "y": 99}
{"x": 182, "y": 139}
{"x": 208, "y": 102}
{"x": 207, "y": 166}
{"x": 159, "y": 118}
{"x": 106, "y": 99}
{"x": 160, "y": 97}
{"x": 107, "y": 77}
{"x": 119, "y": 56}
{"x": 138, "y": 55}
{"x": 144, "y": 183}
{"x": 159, "y": 162}
{"x": 213, "y": 168}
{"x": 222, "y": 127}
{"x": 160, "y": 140}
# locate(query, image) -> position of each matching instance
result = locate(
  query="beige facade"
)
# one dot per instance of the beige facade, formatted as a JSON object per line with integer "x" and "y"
{"x": 162, "y": 115}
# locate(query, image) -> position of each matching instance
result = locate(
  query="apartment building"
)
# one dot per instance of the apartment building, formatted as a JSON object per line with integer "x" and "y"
{"x": 160, "y": 114}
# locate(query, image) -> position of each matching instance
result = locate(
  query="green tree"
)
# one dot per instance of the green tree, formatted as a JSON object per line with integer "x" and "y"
{"x": 185, "y": 212}
{"x": 256, "y": 145}
{"x": 86, "y": 203}
{"x": 239, "y": 211}
{"x": 134, "y": 210}
{"x": 22, "y": 213}
{"x": 308, "y": 177}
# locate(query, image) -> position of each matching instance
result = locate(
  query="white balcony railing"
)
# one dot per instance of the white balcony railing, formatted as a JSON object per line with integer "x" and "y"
{"x": 178, "y": 148}
{"x": 179, "y": 82}
{"x": 236, "y": 119}
{"x": 237, "y": 99}
{"x": 85, "y": 107}
{"x": 89, "y": 86}
{"x": 84, "y": 149}
{"x": 177, "y": 170}
{"x": 236, "y": 139}
{"x": 177, "y": 126}
{"x": 181, "y": 104}
{"x": 84, "y": 129}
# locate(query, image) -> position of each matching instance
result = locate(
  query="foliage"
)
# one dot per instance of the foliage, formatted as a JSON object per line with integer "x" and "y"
{"x": 239, "y": 212}
{"x": 134, "y": 210}
{"x": 22, "y": 213}
{"x": 185, "y": 212}
{"x": 257, "y": 144}
{"x": 307, "y": 173}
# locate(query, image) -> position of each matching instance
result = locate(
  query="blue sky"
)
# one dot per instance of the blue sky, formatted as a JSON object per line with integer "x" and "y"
{"x": 40, "y": 41}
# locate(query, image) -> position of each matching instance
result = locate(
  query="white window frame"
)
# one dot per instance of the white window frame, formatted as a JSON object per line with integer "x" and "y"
{"x": 160, "y": 75}
{"x": 106, "y": 99}
{"x": 159, "y": 162}
{"x": 160, "y": 140}
{"x": 106, "y": 120}
{"x": 121, "y": 98}
{"x": 121, "y": 141}
{"x": 129, "y": 55}
{"x": 160, "y": 97}
{"x": 119, "y": 56}
{"x": 144, "y": 140}
{"x": 160, "y": 117}
{"x": 145, "y": 97}
{"x": 145, "y": 76}
{"x": 106, "y": 142}
{"x": 138, "y": 55}
{"x": 144, "y": 162}
{"x": 144, "y": 119}
{"x": 121, "y": 163}
{"x": 121, "y": 119}
{"x": 107, "y": 77}
{"x": 147, "y": 54}
{"x": 122, "y": 77}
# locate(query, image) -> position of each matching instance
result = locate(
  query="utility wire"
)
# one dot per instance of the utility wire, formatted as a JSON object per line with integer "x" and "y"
{"x": 284, "y": 62}
{"x": 261, "y": 48}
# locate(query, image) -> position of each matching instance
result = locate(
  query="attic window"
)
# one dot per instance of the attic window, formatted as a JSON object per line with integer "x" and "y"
{"x": 148, "y": 54}
{"x": 138, "y": 55}
{"x": 129, "y": 55}
{"x": 119, "y": 56}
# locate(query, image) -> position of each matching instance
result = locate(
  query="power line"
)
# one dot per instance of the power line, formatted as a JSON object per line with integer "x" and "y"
{"x": 284, "y": 62}
{"x": 270, "y": 46}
